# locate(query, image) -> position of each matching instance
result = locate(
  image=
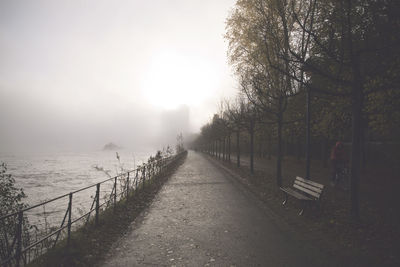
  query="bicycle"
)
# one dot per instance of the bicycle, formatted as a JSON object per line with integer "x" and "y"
{"x": 342, "y": 178}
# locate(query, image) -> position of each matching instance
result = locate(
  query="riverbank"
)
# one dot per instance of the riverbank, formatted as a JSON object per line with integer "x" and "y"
{"x": 89, "y": 244}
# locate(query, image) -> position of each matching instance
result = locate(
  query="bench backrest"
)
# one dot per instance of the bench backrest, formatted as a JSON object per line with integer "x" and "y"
{"x": 311, "y": 188}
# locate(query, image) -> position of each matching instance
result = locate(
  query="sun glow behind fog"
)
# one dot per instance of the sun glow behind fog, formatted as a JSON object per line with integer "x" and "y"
{"x": 172, "y": 79}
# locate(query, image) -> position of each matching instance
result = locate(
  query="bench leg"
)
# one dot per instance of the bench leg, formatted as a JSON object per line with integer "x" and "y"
{"x": 304, "y": 207}
{"x": 285, "y": 201}
{"x": 301, "y": 212}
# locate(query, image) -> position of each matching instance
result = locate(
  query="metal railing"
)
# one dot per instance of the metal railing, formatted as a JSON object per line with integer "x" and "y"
{"x": 22, "y": 242}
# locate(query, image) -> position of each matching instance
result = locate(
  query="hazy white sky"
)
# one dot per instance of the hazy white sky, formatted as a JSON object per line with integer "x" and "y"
{"x": 75, "y": 69}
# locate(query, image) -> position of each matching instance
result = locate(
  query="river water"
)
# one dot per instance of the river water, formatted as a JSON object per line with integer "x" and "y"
{"x": 48, "y": 175}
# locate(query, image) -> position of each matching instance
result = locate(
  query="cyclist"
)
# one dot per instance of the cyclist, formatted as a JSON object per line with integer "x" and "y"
{"x": 338, "y": 160}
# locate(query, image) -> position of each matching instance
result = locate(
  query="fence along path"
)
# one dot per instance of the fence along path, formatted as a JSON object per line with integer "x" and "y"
{"x": 20, "y": 242}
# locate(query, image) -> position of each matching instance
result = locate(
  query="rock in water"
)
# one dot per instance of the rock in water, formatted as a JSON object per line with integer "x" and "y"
{"x": 111, "y": 146}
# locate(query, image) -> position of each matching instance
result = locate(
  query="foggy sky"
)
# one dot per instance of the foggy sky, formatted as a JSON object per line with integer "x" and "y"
{"x": 83, "y": 73}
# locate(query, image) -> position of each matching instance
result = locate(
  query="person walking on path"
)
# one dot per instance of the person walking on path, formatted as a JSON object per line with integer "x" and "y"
{"x": 339, "y": 161}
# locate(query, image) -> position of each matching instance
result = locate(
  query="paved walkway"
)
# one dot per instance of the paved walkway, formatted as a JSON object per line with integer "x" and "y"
{"x": 201, "y": 217}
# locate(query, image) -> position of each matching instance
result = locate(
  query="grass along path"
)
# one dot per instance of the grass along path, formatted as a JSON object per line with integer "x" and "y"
{"x": 376, "y": 238}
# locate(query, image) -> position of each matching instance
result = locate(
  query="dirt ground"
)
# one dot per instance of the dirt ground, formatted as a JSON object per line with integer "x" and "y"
{"x": 376, "y": 236}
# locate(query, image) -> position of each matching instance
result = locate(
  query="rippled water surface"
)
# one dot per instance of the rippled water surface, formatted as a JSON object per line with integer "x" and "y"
{"x": 49, "y": 175}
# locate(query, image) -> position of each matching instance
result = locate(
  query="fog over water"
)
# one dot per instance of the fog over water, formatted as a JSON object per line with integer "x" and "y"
{"x": 75, "y": 75}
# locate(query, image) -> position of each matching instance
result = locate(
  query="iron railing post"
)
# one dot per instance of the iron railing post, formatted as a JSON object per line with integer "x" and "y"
{"x": 137, "y": 178}
{"x": 69, "y": 218}
{"x": 97, "y": 203}
{"x": 18, "y": 252}
{"x": 144, "y": 176}
{"x": 127, "y": 186}
{"x": 115, "y": 192}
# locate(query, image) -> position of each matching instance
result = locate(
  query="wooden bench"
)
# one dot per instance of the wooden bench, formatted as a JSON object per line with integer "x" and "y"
{"x": 304, "y": 190}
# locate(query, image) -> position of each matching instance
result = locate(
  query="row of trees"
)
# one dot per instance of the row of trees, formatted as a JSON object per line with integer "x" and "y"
{"x": 333, "y": 64}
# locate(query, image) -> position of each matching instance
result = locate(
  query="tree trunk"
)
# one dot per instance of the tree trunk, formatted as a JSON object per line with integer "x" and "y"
{"x": 299, "y": 152}
{"x": 355, "y": 154}
{"x": 324, "y": 152}
{"x": 251, "y": 131}
{"x": 229, "y": 147}
{"x": 223, "y": 148}
{"x": 308, "y": 134}
{"x": 284, "y": 147}
{"x": 363, "y": 144}
{"x": 263, "y": 144}
{"x": 279, "y": 153}
{"x": 219, "y": 149}
{"x": 238, "y": 148}
{"x": 357, "y": 104}
{"x": 213, "y": 148}
{"x": 269, "y": 146}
